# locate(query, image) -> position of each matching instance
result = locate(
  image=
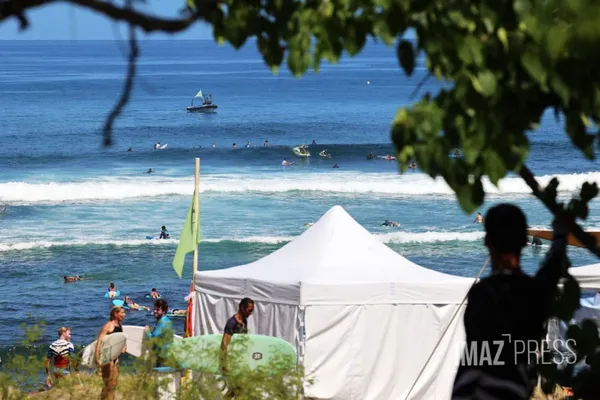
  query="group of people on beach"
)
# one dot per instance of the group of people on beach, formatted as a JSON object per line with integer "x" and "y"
{"x": 61, "y": 357}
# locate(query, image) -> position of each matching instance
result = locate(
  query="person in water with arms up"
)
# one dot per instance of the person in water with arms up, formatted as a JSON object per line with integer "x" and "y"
{"x": 60, "y": 355}
{"x": 110, "y": 371}
{"x": 506, "y": 312}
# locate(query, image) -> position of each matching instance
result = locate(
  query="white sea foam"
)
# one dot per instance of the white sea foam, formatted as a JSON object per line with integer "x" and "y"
{"x": 392, "y": 237}
{"x": 343, "y": 183}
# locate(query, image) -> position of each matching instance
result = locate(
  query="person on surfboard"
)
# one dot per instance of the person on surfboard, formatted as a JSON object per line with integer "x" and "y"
{"x": 112, "y": 290}
{"x": 133, "y": 305}
{"x": 164, "y": 233}
{"x": 60, "y": 355}
{"x": 286, "y": 163}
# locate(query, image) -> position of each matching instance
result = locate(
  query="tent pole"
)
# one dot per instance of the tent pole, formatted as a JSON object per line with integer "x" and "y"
{"x": 196, "y": 215}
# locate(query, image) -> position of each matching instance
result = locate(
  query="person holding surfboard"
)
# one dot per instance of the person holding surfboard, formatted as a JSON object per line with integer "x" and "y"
{"x": 110, "y": 372}
{"x": 60, "y": 354}
{"x": 238, "y": 323}
{"x": 507, "y": 311}
{"x": 161, "y": 332}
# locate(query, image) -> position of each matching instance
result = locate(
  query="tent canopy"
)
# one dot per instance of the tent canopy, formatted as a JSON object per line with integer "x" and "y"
{"x": 333, "y": 260}
{"x": 588, "y": 276}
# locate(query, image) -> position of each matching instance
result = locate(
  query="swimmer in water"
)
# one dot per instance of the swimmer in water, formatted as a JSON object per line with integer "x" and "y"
{"x": 536, "y": 241}
{"x": 478, "y": 218}
{"x": 72, "y": 278}
{"x": 286, "y": 163}
{"x": 370, "y": 156}
{"x": 393, "y": 224}
{"x": 336, "y": 166}
{"x": 149, "y": 171}
{"x": 133, "y": 305}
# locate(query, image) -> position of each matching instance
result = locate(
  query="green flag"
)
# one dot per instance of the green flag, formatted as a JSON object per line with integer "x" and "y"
{"x": 188, "y": 240}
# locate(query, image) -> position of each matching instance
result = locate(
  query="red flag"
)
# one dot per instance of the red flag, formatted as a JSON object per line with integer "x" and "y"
{"x": 188, "y": 330}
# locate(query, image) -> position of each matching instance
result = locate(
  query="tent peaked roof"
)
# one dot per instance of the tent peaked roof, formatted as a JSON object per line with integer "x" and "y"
{"x": 335, "y": 249}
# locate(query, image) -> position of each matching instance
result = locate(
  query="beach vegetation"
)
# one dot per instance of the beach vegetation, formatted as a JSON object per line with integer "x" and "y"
{"x": 22, "y": 374}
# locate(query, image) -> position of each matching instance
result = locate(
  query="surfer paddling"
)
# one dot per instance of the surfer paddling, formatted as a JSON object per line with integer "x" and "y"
{"x": 110, "y": 372}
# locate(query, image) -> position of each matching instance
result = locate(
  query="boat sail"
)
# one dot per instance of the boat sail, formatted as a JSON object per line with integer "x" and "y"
{"x": 207, "y": 105}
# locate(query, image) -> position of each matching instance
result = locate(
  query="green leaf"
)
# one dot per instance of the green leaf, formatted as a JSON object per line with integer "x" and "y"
{"x": 406, "y": 57}
{"x": 556, "y": 40}
{"x": 503, "y": 37}
{"x": 485, "y": 83}
{"x": 470, "y": 195}
{"x": 561, "y": 89}
{"x": 494, "y": 166}
{"x": 534, "y": 66}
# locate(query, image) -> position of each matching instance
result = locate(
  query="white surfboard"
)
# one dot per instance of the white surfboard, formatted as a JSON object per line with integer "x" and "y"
{"x": 135, "y": 339}
{"x": 163, "y": 146}
{"x": 112, "y": 347}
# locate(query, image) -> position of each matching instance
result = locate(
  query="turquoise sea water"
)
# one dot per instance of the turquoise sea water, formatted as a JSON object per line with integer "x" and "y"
{"x": 77, "y": 208}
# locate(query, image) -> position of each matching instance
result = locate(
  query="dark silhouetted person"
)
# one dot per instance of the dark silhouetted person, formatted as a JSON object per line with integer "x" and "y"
{"x": 506, "y": 312}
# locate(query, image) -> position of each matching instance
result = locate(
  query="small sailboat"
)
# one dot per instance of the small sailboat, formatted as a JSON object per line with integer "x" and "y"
{"x": 207, "y": 105}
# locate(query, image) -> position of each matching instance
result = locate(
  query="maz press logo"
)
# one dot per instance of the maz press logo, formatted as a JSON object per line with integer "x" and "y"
{"x": 257, "y": 356}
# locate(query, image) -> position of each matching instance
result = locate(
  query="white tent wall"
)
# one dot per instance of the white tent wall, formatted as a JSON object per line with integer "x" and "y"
{"x": 588, "y": 276}
{"x": 377, "y": 351}
{"x": 274, "y": 319}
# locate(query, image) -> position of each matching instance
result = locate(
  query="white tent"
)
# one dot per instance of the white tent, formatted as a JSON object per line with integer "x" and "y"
{"x": 363, "y": 318}
{"x": 588, "y": 276}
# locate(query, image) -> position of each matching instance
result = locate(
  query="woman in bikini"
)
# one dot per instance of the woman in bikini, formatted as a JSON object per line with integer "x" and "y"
{"x": 110, "y": 372}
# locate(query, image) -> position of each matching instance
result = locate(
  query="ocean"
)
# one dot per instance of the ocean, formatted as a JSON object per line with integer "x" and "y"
{"x": 76, "y": 208}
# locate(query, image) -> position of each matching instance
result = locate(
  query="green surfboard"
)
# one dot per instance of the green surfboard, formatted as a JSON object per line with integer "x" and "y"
{"x": 202, "y": 353}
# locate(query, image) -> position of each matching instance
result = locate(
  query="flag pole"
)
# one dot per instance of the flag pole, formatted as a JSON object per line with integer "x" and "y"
{"x": 196, "y": 216}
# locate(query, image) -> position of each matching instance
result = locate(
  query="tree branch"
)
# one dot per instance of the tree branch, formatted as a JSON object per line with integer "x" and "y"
{"x": 148, "y": 23}
{"x": 586, "y": 239}
{"x": 127, "y": 88}
{"x": 420, "y": 85}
